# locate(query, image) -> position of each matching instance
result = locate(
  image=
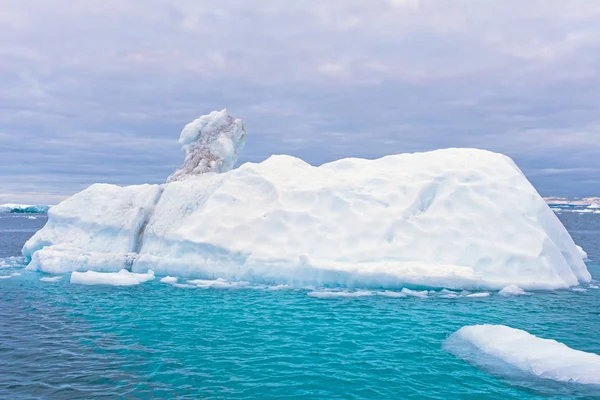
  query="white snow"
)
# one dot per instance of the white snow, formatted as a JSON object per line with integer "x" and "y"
{"x": 582, "y": 252}
{"x": 121, "y": 278}
{"x": 211, "y": 144}
{"x": 51, "y": 279}
{"x": 496, "y": 346}
{"x": 169, "y": 279}
{"x": 512, "y": 290}
{"x": 455, "y": 218}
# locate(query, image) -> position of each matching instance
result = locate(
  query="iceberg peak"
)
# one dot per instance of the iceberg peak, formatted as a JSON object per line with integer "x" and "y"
{"x": 211, "y": 144}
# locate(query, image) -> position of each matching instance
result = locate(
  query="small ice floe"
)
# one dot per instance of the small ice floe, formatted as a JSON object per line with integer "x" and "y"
{"x": 414, "y": 293}
{"x": 579, "y": 289}
{"x": 31, "y": 217}
{"x": 391, "y": 293}
{"x": 51, "y": 278}
{"x": 510, "y": 352}
{"x": 218, "y": 284}
{"x": 478, "y": 294}
{"x": 279, "y": 287}
{"x": 10, "y": 276}
{"x": 121, "y": 278}
{"x": 513, "y": 290}
{"x": 184, "y": 286}
{"x": 329, "y": 294}
{"x": 593, "y": 286}
{"x": 169, "y": 279}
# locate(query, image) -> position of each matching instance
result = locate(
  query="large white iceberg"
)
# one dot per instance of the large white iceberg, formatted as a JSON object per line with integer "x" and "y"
{"x": 504, "y": 350}
{"x": 458, "y": 218}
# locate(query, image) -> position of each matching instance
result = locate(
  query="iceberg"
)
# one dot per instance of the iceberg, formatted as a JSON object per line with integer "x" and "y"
{"x": 508, "y": 351}
{"x": 24, "y": 208}
{"x": 453, "y": 218}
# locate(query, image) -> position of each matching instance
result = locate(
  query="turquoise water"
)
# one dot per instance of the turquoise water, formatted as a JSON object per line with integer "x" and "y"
{"x": 64, "y": 341}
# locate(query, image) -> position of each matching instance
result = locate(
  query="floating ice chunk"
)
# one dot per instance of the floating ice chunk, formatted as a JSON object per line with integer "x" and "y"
{"x": 479, "y": 294}
{"x": 169, "y": 279}
{"x": 592, "y": 286}
{"x": 329, "y": 294}
{"x": 579, "y": 289}
{"x": 582, "y": 252}
{"x": 392, "y": 293}
{"x": 494, "y": 346}
{"x": 512, "y": 290}
{"x": 279, "y": 287}
{"x": 11, "y": 262}
{"x": 217, "y": 284}
{"x": 184, "y": 286}
{"x": 10, "y": 276}
{"x": 448, "y": 294}
{"x": 51, "y": 278}
{"x": 121, "y": 278}
{"x": 414, "y": 293}
{"x": 211, "y": 144}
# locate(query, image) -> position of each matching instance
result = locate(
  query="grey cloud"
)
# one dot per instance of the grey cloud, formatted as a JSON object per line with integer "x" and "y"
{"x": 99, "y": 90}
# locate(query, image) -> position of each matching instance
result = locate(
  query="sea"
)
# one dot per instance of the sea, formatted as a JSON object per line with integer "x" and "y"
{"x": 156, "y": 341}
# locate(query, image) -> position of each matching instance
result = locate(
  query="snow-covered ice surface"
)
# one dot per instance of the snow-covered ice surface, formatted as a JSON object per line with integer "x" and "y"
{"x": 51, "y": 278}
{"x": 454, "y": 218}
{"x": 421, "y": 219}
{"x": 507, "y": 352}
{"x": 121, "y": 278}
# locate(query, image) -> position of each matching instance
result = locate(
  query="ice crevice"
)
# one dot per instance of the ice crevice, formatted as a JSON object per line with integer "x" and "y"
{"x": 144, "y": 215}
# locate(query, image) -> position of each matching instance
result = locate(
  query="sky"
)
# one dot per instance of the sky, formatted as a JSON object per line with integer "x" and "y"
{"x": 98, "y": 91}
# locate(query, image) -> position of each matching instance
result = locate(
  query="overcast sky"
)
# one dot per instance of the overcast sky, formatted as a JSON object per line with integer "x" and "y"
{"x": 98, "y": 91}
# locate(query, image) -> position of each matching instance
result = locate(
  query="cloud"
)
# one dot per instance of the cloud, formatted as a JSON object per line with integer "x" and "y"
{"x": 98, "y": 91}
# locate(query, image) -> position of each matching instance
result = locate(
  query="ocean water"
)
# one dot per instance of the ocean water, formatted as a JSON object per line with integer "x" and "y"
{"x": 64, "y": 341}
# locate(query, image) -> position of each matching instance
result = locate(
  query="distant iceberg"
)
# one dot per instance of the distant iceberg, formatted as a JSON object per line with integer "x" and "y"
{"x": 455, "y": 218}
{"x": 508, "y": 352}
{"x": 24, "y": 208}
